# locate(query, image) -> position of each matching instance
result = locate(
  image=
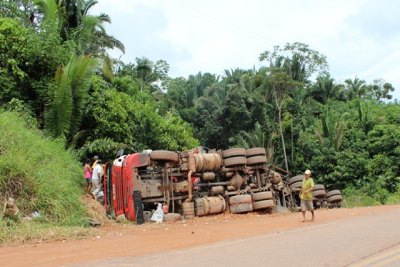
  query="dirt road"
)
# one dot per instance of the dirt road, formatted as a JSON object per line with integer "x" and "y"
{"x": 336, "y": 243}
{"x": 337, "y": 237}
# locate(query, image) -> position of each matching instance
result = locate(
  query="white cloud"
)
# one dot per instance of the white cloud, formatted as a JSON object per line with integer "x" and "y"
{"x": 213, "y": 35}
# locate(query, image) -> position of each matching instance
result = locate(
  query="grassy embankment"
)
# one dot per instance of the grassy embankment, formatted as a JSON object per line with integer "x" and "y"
{"x": 360, "y": 199}
{"x": 41, "y": 176}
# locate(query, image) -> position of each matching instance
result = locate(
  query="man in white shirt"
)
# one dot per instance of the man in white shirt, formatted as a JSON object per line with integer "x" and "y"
{"x": 96, "y": 177}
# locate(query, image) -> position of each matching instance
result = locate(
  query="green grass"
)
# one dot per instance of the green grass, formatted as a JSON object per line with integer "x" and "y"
{"x": 394, "y": 199}
{"x": 41, "y": 176}
{"x": 359, "y": 198}
{"x": 32, "y": 232}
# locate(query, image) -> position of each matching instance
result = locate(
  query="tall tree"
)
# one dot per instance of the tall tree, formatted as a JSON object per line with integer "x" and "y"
{"x": 379, "y": 90}
{"x": 299, "y": 61}
{"x": 289, "y": 67}
{"x": 281, "y": 84}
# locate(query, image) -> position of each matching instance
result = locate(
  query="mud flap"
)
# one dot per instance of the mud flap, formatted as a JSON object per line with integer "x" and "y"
{"x": 138, "y": 205}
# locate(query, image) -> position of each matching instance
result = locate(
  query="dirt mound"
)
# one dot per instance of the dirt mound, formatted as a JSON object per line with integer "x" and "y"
{"x": 96, "y": 211}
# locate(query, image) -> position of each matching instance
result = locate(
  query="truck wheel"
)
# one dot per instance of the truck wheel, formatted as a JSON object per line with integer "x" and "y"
{"x": 240, "y": 208}
{"x": 262, "y": 196}
{"x": 164, "y": 155}
{"x": 295, "y": 179}
{"x": 256, "y": 160}
{"x": 198, "y": 159}
{"x": 239, "y": 199}
{"x": 319, "y": 187}
{"x": 263, "y": 204}
{"x": 233, "y": 152}
{"x": 256, "y": 151}
{"x": 320, "y": 193}
{"x": 296, "y": 185}
{"x": 235, "y": 161}
{"x": 172, "y": 217}
{"x": 333, "y": 193}
{"x": 335, "y": 198}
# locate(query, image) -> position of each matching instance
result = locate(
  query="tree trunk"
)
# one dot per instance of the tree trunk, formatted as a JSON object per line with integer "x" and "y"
{"x": 279, "y": 106}
{"x": 283, "y": 139}
{"x": 292, "y": 140}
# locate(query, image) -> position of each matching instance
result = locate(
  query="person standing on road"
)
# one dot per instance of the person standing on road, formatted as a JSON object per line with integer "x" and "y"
{"x": 96, "y": 177}
{"x": 87, "y": 170}
{"x": 306, "y": 195}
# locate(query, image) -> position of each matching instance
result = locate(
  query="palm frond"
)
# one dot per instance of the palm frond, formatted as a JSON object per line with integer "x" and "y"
{"x": 88, "y": 5}
{"x": 64, "y": 113}
{"x": 51, "y": 10}
{"x": 58, "y": 113}
{"x": 112, "y": 42}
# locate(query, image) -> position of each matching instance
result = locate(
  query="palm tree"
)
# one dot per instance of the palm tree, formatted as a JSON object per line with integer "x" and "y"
{"x": 144, "y": 70}
{"x": 74, "y": 13}
{"x": 233, "y": 76}
{"x": 255, "y": 138}
{"x": 92, "y": 38}
{"x": 74, "y": 22}
{"x": 355, "y": 88}
{"x": 332, "y": 126}
{"x": 325, "y": 89}
{"x": 364, "y": 116}
{"x": 63, "y": 116}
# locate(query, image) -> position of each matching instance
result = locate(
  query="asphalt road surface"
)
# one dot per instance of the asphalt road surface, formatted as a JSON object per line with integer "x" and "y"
{"x": 372, "y": 240}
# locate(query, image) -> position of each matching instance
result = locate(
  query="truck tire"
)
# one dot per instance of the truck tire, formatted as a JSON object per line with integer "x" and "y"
{"x": 239, "y": 160}
{"x": 296, "y": 185}
{"x": 188, "y": 210}
{"x": 164, "y": 155}
{"x": 262, "y": 196}
{"x": 335, "y": 198}
{"x": 256, "y": 151}
{"x": 172, "y": 217}
{"x": 239, "y": 199}
{"x": 295, "y": 179}
{"x": 263, "y": 204}
{"x": 320, "y": 193}
{"x": 233, "y": 152}
{"x": 319, "y": 187}
{"x": 241, "y": 208}
{"x": 333, "y": 193}
{"x": 256, "y": 160}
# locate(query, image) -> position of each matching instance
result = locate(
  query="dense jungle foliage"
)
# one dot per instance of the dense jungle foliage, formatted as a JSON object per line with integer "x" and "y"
{"x": 54, "y": 68}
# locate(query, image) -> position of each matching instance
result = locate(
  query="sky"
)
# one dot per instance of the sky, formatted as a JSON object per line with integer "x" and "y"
{"x": 360, "y": 38}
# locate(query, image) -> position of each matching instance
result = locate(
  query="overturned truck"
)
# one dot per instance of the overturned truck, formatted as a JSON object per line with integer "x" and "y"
{"x": 193, "y": 183}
